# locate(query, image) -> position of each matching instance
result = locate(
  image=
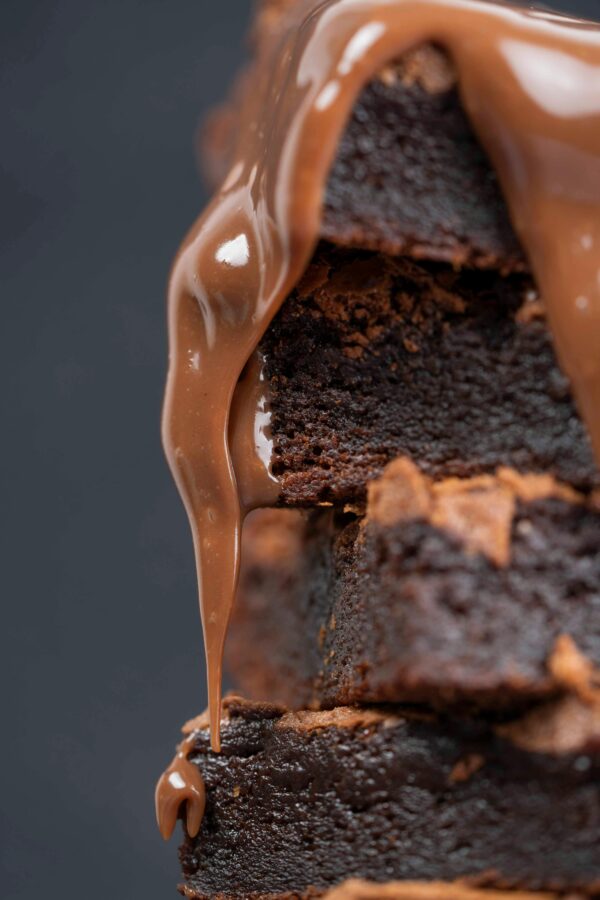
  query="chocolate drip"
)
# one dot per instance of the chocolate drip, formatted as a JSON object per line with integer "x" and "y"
{"x": 530, "y": 83}
{"x": 250, "y": 440}
{"x": 180, "y": 783}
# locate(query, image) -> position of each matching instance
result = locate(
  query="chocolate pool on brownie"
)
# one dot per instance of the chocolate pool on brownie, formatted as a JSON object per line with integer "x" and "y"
{"x": 306, "y": 800}
{"x": 448, "y": 593}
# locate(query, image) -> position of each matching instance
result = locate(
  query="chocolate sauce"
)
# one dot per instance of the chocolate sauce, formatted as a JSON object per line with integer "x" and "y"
{"x": 530, "y": 84}
{"x": 250, "y": 440}
{"x": 180, "y": 783}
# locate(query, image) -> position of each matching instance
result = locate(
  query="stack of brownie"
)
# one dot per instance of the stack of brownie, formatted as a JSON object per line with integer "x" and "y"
{"x": 417, "y": 628}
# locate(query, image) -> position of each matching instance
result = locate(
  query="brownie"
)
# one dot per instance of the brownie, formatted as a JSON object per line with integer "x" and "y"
{"x": 374, "y": 357}
{"x": 452, "y": 594}
{"x": 303, "y": 801}
{"x": 409, "y": 177}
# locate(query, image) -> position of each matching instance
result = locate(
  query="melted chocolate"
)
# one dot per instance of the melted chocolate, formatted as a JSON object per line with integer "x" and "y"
{"x": 530, "y": 83}
{"x": 180, "y": 783}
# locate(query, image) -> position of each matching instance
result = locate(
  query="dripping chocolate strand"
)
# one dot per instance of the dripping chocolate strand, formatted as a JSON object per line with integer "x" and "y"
{"x": 530, "y": 84}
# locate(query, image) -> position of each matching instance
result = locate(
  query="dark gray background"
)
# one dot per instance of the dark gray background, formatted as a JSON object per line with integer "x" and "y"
{"x": 99, "y": 100}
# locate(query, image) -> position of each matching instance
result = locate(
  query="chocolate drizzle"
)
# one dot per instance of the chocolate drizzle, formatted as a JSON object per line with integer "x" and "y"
{"x": 530, "y": 83}
{"x": 180, "y": 783}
